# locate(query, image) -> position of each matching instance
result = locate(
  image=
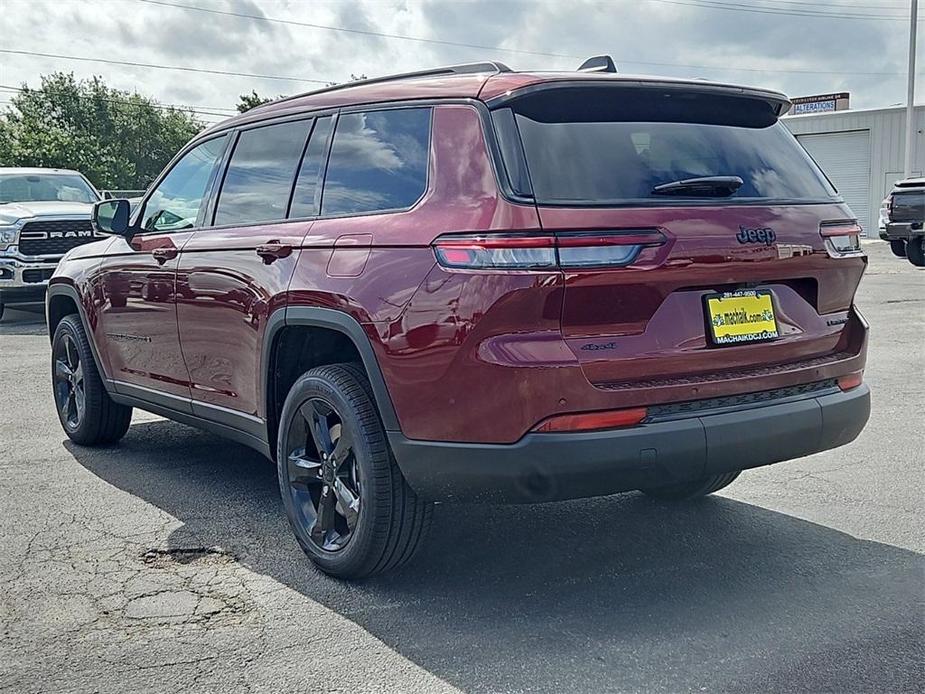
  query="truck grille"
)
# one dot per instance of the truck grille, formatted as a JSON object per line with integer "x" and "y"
{"x": 54, "y": 237}
{"x": 908, "y": 207}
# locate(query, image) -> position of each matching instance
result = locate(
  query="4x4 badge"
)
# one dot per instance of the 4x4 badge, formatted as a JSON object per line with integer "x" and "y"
{"x": 765, "y": 235}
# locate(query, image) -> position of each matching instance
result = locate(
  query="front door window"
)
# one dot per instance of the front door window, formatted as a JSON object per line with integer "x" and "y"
{"x": 176, "y": 202}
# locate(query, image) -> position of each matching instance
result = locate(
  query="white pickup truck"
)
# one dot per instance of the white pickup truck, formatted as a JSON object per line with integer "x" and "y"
{"x": 43, "y": 214}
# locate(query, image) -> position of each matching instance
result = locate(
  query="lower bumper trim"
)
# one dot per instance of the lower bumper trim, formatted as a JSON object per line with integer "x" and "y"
{"x": 549, "y": 467}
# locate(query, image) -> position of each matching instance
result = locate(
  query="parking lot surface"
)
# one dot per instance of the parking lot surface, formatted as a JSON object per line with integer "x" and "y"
{"x": 165, "y": 564}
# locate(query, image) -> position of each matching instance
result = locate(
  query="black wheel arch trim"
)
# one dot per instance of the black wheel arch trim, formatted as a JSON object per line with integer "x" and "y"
{"x": 331, "y": 319}
{"x": 66, "y": 290}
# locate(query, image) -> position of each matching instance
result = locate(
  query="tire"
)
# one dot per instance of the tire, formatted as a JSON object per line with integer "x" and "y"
{"x": 898, "y": 247}
{"x": 351, "y": 510}
{"x": 915, "y": 250}
{"x": 2, "y": 309}
{"x": 694, "y": 489}
{"x": 86, "y": 412}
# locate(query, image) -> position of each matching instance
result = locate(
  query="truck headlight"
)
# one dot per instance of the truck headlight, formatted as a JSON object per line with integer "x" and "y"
{"x": 7, "y": 235}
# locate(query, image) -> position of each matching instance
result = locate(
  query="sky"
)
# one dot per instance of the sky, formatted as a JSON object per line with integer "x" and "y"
{"x": 800, "y": 47}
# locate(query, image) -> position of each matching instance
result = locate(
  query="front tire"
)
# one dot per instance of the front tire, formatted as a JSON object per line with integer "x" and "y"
{"x": 694, "y": 489}
{"x": 351, "y": 510}
{"x": 915, "y": 250}
{"x": 86, "y": 412}
{"x": 898, "y": 247}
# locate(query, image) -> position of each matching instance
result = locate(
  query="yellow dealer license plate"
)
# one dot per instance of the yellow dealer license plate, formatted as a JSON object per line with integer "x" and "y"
{"x": 742, "y": 316}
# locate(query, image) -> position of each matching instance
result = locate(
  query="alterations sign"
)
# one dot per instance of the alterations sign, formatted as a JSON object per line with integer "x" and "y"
{"x": 820, "y": 103}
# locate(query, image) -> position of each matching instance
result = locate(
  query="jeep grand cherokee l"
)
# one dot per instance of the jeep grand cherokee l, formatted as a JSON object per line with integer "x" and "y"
{"x": 475, "y": 284}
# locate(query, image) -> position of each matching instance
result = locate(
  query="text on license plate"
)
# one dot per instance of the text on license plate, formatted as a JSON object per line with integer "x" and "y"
{"x": 746, "y": 315}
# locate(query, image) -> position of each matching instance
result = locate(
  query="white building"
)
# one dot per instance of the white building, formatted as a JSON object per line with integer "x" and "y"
{"x": 862, "y": 152}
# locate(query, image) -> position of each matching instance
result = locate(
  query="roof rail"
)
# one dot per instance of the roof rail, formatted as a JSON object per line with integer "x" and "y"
{"x": 463, "y": 69}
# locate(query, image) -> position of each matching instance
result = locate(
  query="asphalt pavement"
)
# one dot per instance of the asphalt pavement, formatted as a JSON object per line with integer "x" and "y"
{"x": 165, "y": 564}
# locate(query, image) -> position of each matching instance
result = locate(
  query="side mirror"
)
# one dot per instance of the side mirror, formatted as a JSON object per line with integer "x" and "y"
{"x": 111, "y": 217}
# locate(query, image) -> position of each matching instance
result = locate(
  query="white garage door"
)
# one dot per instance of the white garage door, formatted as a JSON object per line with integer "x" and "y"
{"x": 845, "y": 158}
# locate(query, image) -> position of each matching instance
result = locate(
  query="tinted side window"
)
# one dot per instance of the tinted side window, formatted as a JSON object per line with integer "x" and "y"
{"x": 260, "y": 173}
{"x": 306, "y": 200}
{"x": 175, "y": 203}
{"x": 378, "y": 161}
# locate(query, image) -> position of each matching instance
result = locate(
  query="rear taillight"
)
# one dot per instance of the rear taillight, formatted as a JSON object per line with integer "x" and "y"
{"x": 542, "y": 251}
{"x": 592, "y": 421}
{"x": 842, "y": 238}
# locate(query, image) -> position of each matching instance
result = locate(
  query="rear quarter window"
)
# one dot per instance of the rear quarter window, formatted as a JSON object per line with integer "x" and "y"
{"x": 378, "y": 161}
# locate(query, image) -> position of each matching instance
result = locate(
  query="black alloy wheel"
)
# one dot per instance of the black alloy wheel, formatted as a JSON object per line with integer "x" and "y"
{"x": 347, "y": 502}
{"x": 70, "y": 396}
{"x": 324, "y": 479}
{"x": 87, "y": 413}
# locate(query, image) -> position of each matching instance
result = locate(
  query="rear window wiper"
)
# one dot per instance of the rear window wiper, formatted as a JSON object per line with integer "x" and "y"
{"x": 709, "y": 186}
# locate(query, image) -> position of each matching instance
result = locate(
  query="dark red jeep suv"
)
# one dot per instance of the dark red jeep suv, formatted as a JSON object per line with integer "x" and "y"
{"x": 471, "y": 283}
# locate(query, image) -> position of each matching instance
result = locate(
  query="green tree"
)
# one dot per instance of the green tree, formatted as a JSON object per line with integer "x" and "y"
{"x": 248, "y": 101}
{"x": 116, "y": 138}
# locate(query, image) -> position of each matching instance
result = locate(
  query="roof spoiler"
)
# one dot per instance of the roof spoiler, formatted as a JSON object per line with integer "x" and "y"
{"x": 778, "y": 103}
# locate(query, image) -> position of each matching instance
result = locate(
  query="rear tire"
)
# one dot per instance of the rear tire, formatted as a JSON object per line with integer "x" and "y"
{"x": 898, "y": 246}
{"x": 351, "y": 510}
{"x": 86, "y": 412}
{"x": 692, "y": 490}
{"x": 915, "y": 250}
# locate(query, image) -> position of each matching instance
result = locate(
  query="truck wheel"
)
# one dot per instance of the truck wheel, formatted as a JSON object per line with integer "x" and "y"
{"x": 347, "y": 502}
{"x": 87, "y": 413}
{"x": 898, "y": 246}
{"x": 915, "y": 251}
{"x": 694, "y": 489}
{"x": 2, "y": 307}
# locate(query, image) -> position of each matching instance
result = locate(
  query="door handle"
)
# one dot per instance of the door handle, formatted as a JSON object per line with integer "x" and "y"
{"x": 162, "y": 255}
{"x": 274, "y": 250}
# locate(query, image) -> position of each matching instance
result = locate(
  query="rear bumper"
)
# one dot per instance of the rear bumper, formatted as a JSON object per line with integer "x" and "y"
{"x": 547, "y": 467}
{"x": 895, "y": 231}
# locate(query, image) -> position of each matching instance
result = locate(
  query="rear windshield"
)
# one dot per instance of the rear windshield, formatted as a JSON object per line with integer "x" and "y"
{"x": 585, "y": 146}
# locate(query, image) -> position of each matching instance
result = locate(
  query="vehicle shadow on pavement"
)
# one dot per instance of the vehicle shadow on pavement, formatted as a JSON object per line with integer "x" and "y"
{"x": 23, "y": 320}
{"x": 615, "y": 593}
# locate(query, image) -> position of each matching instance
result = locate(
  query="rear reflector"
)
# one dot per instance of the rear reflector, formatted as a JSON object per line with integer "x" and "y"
{"x": 590, "y": 421}
{"x": 851, "y": 381}
{"x": 541, "y": 251}
{"x": 842, "y": 238}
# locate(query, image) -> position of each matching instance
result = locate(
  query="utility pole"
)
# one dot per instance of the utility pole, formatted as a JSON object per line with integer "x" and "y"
{"x": 910, "y": 96}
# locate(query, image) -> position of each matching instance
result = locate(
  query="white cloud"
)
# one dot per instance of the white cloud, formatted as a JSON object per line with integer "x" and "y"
{"x": 629, "y": 30}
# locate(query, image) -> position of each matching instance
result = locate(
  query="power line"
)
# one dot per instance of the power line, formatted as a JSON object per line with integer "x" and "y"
{"x": 163, "y": 67}
{"x": 208, "y": 116}
{"x": 837, "y": 5}
{"x": 736, "y": 7}
{"x": 560, "y": 55}
{"x": 208, "y": 110}
{"x": 734, "y": 68}
{"x": 364, "y": 32}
